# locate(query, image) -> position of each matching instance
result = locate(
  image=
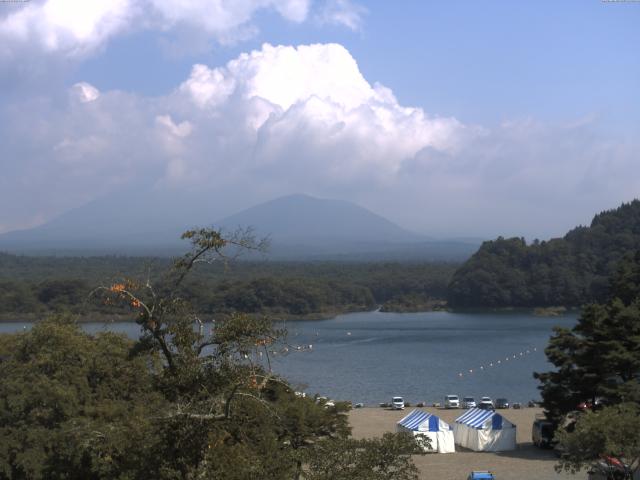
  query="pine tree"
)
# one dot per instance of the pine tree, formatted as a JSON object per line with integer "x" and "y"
{"x": 599, "y": 358}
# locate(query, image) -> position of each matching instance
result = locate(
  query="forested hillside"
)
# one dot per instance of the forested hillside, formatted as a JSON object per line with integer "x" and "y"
{"x": 568, "y": 271}
{"x": 40, "y": 285}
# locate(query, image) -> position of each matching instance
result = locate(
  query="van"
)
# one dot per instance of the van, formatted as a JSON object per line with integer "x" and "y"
{"x": 397, "y": 403}
{"x": 451, "y": 401}
{"x": 542, "y": 433}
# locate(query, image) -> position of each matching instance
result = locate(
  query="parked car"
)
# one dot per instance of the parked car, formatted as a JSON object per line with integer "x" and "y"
{"x": 397, "y": 403}
{"x": 468, "y": 402}
{"x": 481, "y": 475}
{"x": 542, "y": 433}
{"x": 451, "y": 401}
{"x": 584, "y": 406}
{"x": 610, "y": 467}
{"x": 486, "y": 403}
{"x": 502, "y": 403}
{"x": 588, "y": 405}
{"x": 516, "y": 405}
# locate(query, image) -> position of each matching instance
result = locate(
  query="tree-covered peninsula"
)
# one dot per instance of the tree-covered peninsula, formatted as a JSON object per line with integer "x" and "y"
{"x": 35, "y": 286}
{"x": 568, "y": 271}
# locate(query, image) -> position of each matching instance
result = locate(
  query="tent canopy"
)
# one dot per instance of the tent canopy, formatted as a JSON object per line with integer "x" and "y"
{"x": 424, "y": 424}
{"x": 483, "y": 419}
{"x": 421, "y": 421}
{"x": 484, "y": 431}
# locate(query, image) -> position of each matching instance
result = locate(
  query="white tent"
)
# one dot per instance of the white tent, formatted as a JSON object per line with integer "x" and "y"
{"x": 425, "y": 424}
{"x": 484, "y": 431}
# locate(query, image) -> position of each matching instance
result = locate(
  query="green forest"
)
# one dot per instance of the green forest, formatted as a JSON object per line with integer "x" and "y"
{"x": 568, "y": 271}
{"x": 41, "y": 285}
{"x": 506, "y": 272}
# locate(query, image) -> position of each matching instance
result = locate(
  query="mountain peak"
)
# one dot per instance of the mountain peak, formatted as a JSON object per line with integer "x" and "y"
{"x": 301, "y": 218}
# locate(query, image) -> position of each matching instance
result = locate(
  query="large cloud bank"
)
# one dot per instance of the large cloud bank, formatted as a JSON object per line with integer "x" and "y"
{"x": 74, "y": 29}
{"x": 309, "y": 109}
{"x": 280, "y": 120}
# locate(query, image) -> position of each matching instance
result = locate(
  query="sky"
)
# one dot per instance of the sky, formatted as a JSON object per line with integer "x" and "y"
{"x": 456, "y": 118}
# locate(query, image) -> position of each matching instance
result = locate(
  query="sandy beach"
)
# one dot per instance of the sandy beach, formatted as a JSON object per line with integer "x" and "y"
{"x": 525, "y": 463}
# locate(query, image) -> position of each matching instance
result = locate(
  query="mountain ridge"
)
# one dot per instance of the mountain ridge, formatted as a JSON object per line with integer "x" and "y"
{"x": 568, "y": 271}
{"x": 300, "y": 227}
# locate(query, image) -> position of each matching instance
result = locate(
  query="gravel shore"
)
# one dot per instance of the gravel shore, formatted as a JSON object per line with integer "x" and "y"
{"x": 525, "y": 463}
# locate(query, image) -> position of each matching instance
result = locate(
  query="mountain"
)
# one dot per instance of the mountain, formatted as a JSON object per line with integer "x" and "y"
{"x": 569, "y": 271}
{"x": 308, "y": 228}
{"x": 302, "y": 219}
{"x": 133, "y": 221}
{"x": 299, "y": 226}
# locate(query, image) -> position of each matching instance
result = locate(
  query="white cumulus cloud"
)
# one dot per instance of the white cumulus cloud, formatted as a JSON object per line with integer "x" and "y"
{"x": 77, "y": 28}
{"x": 73, "y": 27}
{"x": 342, "y": 12}
{"x": 316, "y": 94}
{"x": 85, "y": 92}
{"x": 285, "y": 119}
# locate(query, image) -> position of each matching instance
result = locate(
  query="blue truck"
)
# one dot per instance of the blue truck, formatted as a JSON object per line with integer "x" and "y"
{"x": 481, "y": 475}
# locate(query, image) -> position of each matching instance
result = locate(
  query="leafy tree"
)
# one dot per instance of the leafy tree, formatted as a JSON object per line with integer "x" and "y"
{"x": 190, "y": 399}
{"x": 74, "y": 406}
{"x": 610, "y": 433}
{"x": 386, "y": 458}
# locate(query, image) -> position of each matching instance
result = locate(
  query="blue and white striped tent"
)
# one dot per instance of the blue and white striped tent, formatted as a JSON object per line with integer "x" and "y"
{"x": 484, "y": 431}
{"x": 427, "y": 425}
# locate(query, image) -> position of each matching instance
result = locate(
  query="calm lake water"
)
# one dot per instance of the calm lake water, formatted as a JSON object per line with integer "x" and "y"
{"x": 369, "y": 357}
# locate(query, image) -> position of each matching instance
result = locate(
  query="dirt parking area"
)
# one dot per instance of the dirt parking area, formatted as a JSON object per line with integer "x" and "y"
{"x": 525, "y": 463}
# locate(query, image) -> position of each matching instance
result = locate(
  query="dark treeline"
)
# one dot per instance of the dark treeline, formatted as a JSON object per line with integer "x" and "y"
{"x": 568, "y": 271}
{"x": 39, "y": 285}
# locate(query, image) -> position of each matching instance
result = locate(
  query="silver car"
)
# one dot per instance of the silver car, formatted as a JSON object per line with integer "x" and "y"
{"x": 486, "y": 403}
{"x": 468, "y": 402}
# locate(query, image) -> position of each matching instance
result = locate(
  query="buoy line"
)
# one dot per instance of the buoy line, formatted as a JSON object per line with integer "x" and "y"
{"x": 499, "y": 362}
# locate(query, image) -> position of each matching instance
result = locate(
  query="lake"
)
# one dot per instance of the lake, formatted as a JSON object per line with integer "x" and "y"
{"x": 369, "y": 357}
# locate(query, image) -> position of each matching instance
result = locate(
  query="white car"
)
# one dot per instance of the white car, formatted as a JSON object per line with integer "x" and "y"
{"x": 486, "y": 403}
{"x": 451, "y": 401}
{"x": 397, "y": 403}
{"x": 468, "y": 402}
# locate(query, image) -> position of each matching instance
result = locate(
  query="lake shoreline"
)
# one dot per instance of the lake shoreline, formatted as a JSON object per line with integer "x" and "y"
{"x": 436, "y": 306}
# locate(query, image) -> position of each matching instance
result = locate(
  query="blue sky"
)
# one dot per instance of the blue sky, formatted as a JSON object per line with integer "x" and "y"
{"x": 484, "y": 62}
{"x": 489, "y": 117}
